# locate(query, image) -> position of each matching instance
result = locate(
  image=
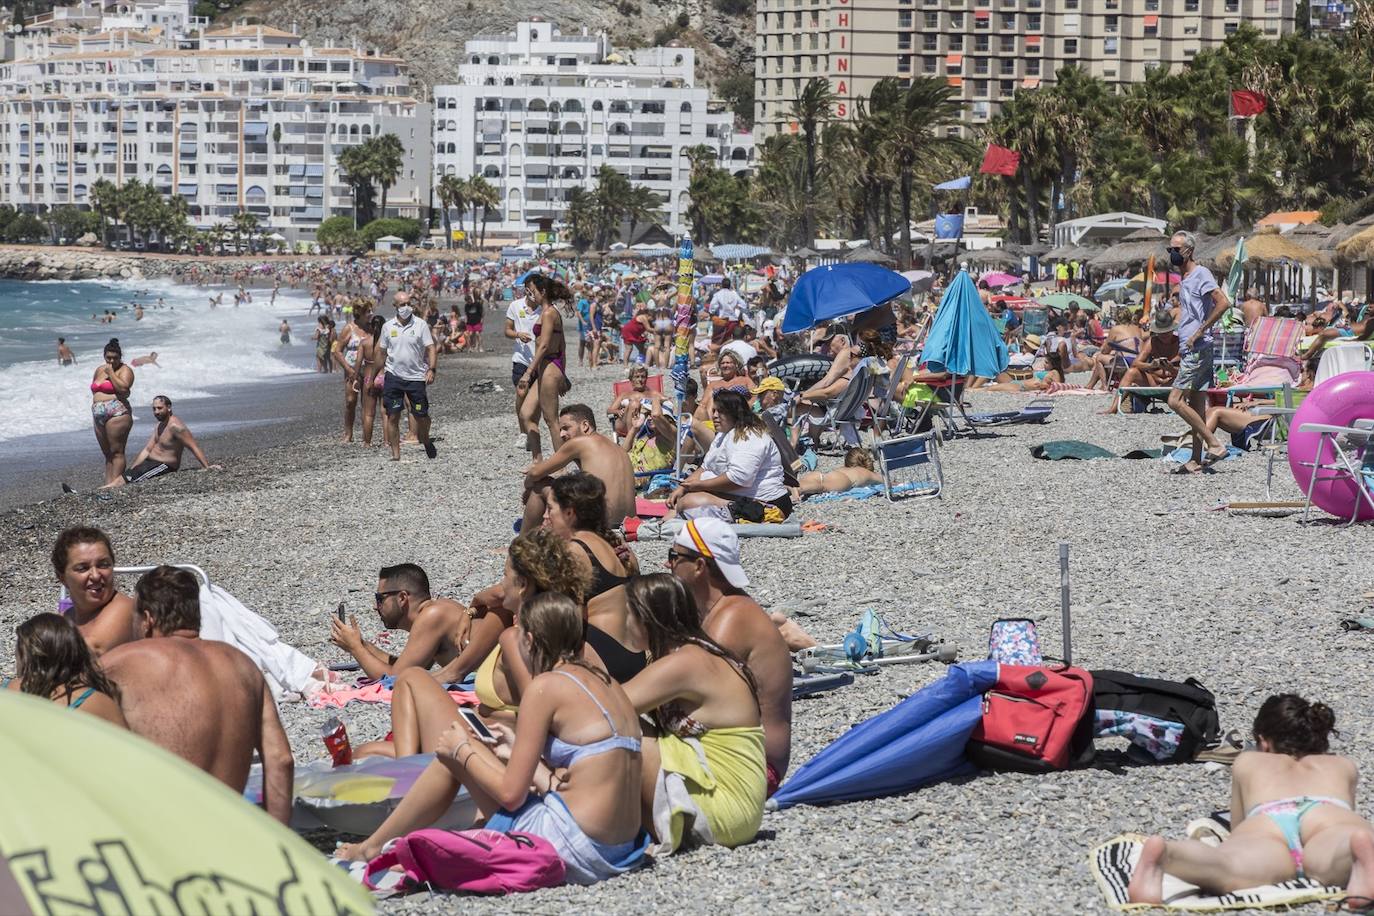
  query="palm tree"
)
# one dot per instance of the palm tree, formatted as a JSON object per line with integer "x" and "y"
{"x": 810, "y": 109}
{"x": 482, "y": 193}
{"x": 357, "y": 166}
{"x": 641, "y": 206}
{"x": 580, "y": 218}
{"x": 917, "y": 136}
{"x": 244, "y": 223}
{"x": 453, "y": 195}
{"x": 387, "y": 158}
{"x": 106, "y": 200}
{"x": 612, "y": 190}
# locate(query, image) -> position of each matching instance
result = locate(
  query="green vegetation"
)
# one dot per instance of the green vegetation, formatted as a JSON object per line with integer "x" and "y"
{"x": 737, "y": 88}
{"x": 336, "y": 235}
{"x": 594, "y": 217}
{"x": 407, "y": 229}
{"x": 377, "y": 161}
{"x": 466, "y": 196}
{"x": 141, "y": 209}
{"x": 734, "y": 7}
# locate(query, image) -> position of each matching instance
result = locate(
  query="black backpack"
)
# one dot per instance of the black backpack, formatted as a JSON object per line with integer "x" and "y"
{"x": 1190, "y": 704}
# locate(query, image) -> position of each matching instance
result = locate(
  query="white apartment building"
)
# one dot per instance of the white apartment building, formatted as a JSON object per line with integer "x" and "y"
{"x": 239, "y": 118}
{"x": 537, "y": 113}
{"x": 987, "y": 50}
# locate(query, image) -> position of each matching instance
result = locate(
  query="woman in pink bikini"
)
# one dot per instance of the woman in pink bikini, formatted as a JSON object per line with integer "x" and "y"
{"x": 545, "y": 380}
{"x": 110, "y": 411}
{"x": 1292, "y": 813}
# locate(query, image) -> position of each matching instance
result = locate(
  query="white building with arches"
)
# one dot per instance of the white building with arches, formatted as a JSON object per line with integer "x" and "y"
{"x": 537, "y": 113}
{"x": 233, "y": 118}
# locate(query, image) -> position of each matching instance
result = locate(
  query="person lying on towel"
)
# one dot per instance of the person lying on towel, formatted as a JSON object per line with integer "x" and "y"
{"x": 1292, "y": 814}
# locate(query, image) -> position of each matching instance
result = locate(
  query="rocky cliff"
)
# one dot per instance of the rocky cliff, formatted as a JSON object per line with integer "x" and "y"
{"x": 430, "y": 33}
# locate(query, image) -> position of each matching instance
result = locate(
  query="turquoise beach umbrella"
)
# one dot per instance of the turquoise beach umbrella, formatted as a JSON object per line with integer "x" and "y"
{"x": 963, "y": 339}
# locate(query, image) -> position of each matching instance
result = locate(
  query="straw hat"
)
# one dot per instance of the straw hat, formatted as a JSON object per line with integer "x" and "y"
{"x": 1033, "y": 341}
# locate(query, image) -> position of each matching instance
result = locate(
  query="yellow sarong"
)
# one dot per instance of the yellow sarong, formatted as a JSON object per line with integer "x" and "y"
{"x": 710, "y": 789}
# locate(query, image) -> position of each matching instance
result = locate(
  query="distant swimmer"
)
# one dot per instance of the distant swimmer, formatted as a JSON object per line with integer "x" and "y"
{"x": 65, "y": 356}
{"x": 216, "y": 301}
{"x": 149, "y": 360}
{"x": 161, "y": 303}
{"x": 138, "y": 312}
{"x": 285, "y": 330}
{"x": 162, "y": 454}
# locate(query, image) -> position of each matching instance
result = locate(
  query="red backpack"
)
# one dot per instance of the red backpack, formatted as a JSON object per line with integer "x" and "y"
{"x": 1035, "y": 719}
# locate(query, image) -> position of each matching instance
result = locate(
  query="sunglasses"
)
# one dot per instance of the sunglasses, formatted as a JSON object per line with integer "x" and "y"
{"x": 676, "y": 555}
{"x": 382, "y": 596}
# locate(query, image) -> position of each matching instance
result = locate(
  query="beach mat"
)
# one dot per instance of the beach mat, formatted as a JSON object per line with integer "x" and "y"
{"x": 901, "y": 489}
{"x": 1075, "y": 450}
{"x": 1113, "y": 862}
{"x": 655, "y": 529}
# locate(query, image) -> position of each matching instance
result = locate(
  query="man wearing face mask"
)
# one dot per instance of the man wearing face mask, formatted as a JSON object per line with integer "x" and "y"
{"x": 1201, "y": 305}
{"x": 410, "y": 354}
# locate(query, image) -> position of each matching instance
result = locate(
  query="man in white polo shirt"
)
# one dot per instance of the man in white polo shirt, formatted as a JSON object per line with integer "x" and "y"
{"x": 520, "y": 321}
{"x": 727, "y": 306}
{"x": 410, "y": 355}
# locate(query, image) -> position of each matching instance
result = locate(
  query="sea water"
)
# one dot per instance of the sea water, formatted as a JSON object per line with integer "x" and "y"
{"x": 200, "y": 350}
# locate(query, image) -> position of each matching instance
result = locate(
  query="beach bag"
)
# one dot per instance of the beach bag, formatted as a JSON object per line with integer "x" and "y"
{"x": 1170, "y": 721}
{"x": 1013, "y": 641}
{"x": 1035, "y": 719}
{"x": 477, "y": 861}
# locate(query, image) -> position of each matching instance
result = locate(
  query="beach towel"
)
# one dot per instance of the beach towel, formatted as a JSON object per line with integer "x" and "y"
{"x": 709, "y": 790}
{"x": 1113, "y": 862}
{"x": 910, "y": 486}
{"x": 1273, "y": 336}
{"x": 1073, "y": 449}
{"x": 1184, "y": 455}
{"x": 1031, "y": 413}
{"x": 338, "y": 697}
{"x": 290, "y": 673}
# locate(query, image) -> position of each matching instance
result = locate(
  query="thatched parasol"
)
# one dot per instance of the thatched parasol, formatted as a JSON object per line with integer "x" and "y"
{"x": 993, "y": 257}
{"x": 1353, "y": 243}
{"x": 1135, "y": 248}
{"x": 870, "y": 255}
{"x": 1212, "y": 248}
{"x": 1268, "y": 248}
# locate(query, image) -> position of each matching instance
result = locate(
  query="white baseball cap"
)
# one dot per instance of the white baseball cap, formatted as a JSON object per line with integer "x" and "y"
{"x": 716, "y": 541}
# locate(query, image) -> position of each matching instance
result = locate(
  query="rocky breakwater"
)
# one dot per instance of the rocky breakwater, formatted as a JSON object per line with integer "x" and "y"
{"x": 26, "y": 262}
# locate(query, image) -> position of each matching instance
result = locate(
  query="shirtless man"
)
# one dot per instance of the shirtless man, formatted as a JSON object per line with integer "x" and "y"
{"x": 149, "y": 360}
{"x": 162, "y": 454}
{"x": 439, "y": 628}
{"x": 220, "y": 710}
{"x": 595, "y": 454}
{"x": 705, "y": 556}
{"x": 65, "y": 356}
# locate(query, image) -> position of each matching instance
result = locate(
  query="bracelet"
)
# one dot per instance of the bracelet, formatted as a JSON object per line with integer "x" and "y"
{"x": 454, "y": 752}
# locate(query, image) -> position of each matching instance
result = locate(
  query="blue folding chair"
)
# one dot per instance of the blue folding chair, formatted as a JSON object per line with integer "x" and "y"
{"x": 919, "y": 455}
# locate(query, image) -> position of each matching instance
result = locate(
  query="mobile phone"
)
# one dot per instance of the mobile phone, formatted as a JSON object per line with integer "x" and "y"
{"x": 340, "y": 612}
{"x": 474, "y": 721}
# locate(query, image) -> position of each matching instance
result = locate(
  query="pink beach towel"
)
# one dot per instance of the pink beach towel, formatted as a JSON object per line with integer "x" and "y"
{"x": 338, "y": 697}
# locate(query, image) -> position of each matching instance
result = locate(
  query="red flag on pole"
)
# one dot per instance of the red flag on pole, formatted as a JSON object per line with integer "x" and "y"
{"x": 1247, "y": 104}
{"x": 999, "y": 160}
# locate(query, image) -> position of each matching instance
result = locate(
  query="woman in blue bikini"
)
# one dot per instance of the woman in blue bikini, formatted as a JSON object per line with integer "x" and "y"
{"x": 1292, "y": 813}
{"x": 53, "y": 661}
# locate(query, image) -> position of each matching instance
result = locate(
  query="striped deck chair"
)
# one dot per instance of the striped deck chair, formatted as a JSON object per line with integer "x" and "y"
{"x": 1274, "y": 342}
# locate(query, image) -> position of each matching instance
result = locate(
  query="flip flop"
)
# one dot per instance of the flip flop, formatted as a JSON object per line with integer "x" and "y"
{"x": 1210, "y": 457}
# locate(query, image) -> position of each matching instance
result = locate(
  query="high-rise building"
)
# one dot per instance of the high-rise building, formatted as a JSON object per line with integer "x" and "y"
{"x": 537, "y": 113}
{"x": 987, "y": 49}
{"x": 235, "y": 118}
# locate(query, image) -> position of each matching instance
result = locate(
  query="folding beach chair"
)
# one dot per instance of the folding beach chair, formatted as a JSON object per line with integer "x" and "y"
{"x": 1275, "y": 441}
{"x": 884, "y": 419}
{"x": 625, "y": 386}
{"x": 919, "y": 454}
{"x": 1230, "y": 350}
{"x": 845, "y": 412}
{"x": 1342, "y": 356}
{"x": 1354, "y": 462}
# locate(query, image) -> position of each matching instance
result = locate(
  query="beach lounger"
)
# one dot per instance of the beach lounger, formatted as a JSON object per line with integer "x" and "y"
{"x": 1352, "y": 462}
{"x": 224, "y": 619}
{"x": 1037, "y": 411}
{"x": 919, "y": 454}
{"x": 1342, "y": 356}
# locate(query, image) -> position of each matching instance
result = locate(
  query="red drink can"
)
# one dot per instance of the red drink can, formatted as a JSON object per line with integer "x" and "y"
{"x": 336, "y": 742}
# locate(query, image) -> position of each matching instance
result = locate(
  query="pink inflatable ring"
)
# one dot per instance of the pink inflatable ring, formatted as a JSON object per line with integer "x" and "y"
{"x": 1338, "y": 401}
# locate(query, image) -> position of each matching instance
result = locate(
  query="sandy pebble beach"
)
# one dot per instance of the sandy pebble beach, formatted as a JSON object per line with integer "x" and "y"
{"x": 1162, "y": 585}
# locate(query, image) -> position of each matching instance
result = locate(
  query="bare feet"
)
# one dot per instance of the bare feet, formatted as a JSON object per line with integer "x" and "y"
{"x": 792, "y": 633}
{"x": 355, "y": 852}
{"x": 1212, "y": 457}
{"x": 1147, "y": 881}
{"x": 1361, "y": 882}
{"x": 1192, "y": 467}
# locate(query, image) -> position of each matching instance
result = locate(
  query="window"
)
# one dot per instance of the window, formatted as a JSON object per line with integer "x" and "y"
{"x": 1109, "y": 46}
{"x": 1007, "y": 86}
{"x": 956, "y": 20}
{"x": 932, "y": 20}
{"x": 929, "y": 65}
{"x": 1032, "y": 67}
{"x": 903, "y": 64}
{"x": 956, "y": 42}
{"x": 1008, "y": 66}
{"x": 1190, "y": 6}
{"x": 980, "y": 89}
{"x": 1229, "y": 28}
{"x": 1151, "y": 6}
{"x": 1070, "y": 47}
{"x": 1112, "y": 25}
{"x": 1008, "y": 44}
{"x": 904, "y": 41}
{"x": 980, "y": 66}
{"x": 980, "y": 44}
{"x": 903, "y": 20}
{"x": 1151, "y": 29}
{"x": 1233, "y": 6}
{"x": 1070, "y": 4}
{"x": 1033, "y": 22}
{"x": 929, "y": 42}
{"x": 1008, "y": 22}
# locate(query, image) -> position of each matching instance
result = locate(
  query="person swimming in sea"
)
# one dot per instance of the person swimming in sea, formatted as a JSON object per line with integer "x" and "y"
{"x": 65, "y": 356}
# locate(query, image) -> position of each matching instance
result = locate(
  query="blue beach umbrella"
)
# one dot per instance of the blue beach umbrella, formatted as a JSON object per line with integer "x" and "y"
{"x": 962, "y": 339}
{"x": 837, "y": 290}
{"x": 919, "y": 741}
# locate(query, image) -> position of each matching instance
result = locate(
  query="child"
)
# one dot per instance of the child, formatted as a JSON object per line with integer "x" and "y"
{"x": 1291, "y": 813}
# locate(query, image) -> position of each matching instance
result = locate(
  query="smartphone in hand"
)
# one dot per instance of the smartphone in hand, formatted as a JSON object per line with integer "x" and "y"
{"x": 340, "y": 612}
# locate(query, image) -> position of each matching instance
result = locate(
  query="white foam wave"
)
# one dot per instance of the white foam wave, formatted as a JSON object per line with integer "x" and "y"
{"x": 200, "y": 351}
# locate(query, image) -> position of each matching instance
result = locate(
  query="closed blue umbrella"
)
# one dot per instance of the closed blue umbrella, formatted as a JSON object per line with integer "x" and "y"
{"x": 919, "y": 741}
{"x": 962, "y": 339}
{"x": 837, "y": 290}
